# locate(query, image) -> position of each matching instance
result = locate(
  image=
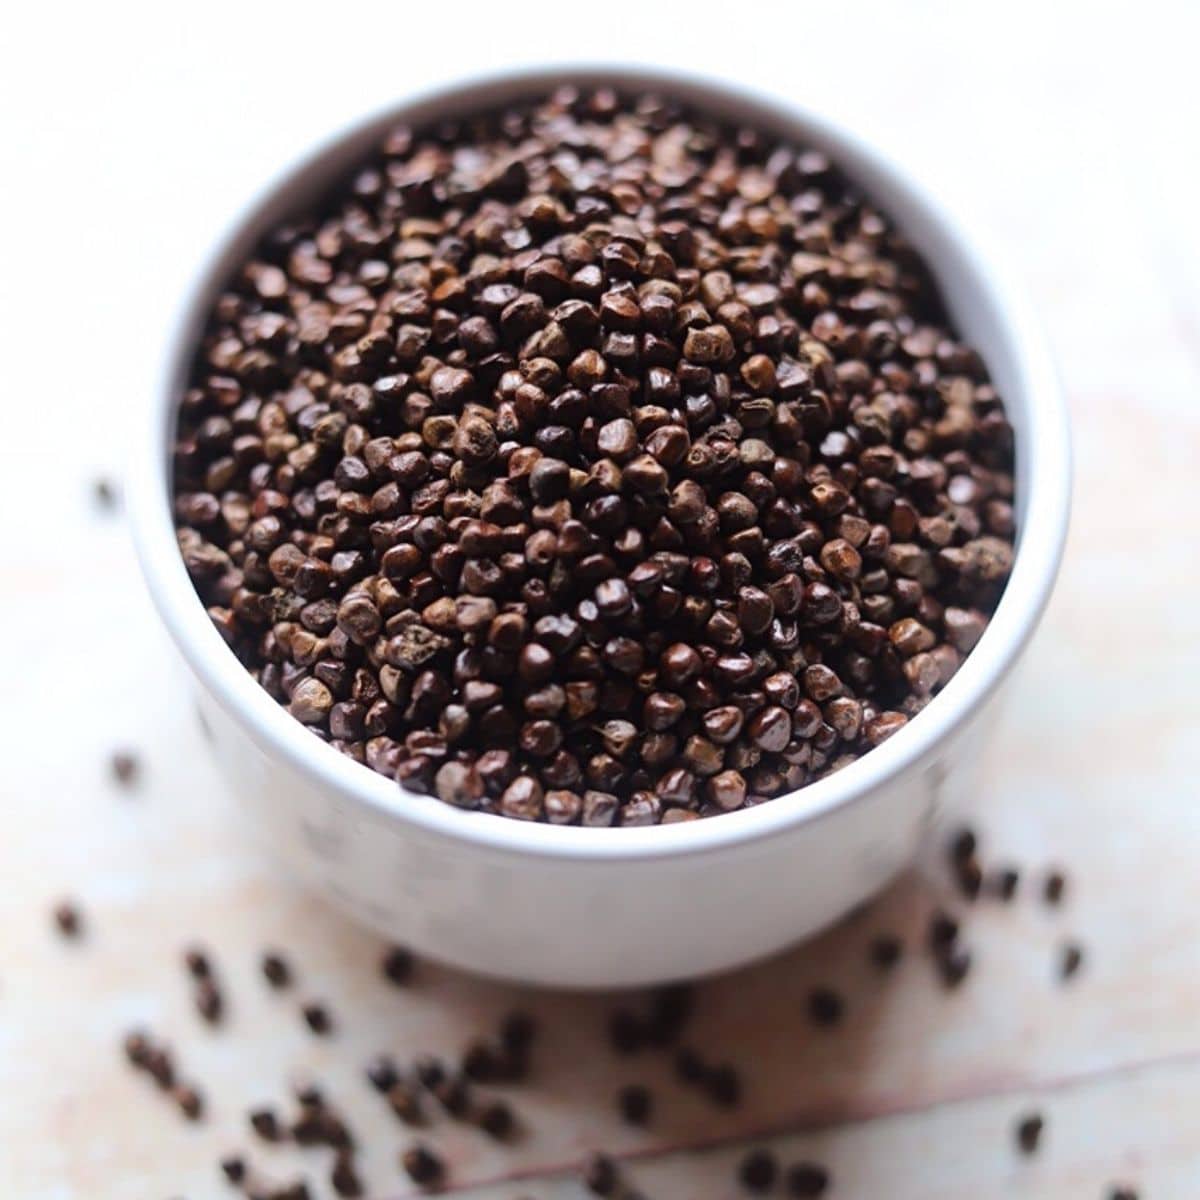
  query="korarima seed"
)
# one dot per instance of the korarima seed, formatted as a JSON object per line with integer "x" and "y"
{"x": 593, "y": 462}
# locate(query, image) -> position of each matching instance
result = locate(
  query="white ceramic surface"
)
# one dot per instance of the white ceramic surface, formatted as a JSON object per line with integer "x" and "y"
{"x": 585, "y": 907}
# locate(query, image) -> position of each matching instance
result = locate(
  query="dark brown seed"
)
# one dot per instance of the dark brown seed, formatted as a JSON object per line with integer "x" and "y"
{"x": 1122, "y": 1192}
{"x": 197, "y": 963}
{"x": 1004, "y": 883}
{"x": 402, "y": 1100}
{"x": 943, "y": 931}
{"x": 496, "y": 1120}
{"x": 626, "y": 1031}
{"x": 422, "y": 1166}
{"x": 68, "y": 919}
{"x": 344, "y": 1178}
{"x": 234, "y": 1168}
{"x": 317, "y": 1018}
{"x": 600, "y": 1175}
{"x": 265, "y": 1123}
{"x": 209, "y": 1003}
{"x": 125, "y": 767}
{"x": 886, "y": 951}
{"x": 275, "y": 969}
{"x": 397, "y": 965}
{"x": 382, "y": 1073}
{"x": 953, "y": 965}
{"x": 1029, "y": 1133}
{"x": 635, "y": 1104}
{"x": 1054, "y": 887}
{"x": 723, "y": 1085}
{"x": 1070, "y": 960}
{"x": 189, "y": 1100}
{"x": 825, "y": 1006}
{"x": 517, "y": 1031}
{"x": 758, "y": 1171}
{"x": 806, "y": 1179}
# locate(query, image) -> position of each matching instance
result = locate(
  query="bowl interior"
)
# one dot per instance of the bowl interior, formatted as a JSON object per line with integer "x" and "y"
{"x": 984, "y": 308}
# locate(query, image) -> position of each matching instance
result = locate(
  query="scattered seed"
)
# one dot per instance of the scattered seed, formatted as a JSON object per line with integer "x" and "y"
{"x": 209, "y": 1003}
{"x": 953, "y": 965}
{"x": 275, "y": 969}
{"x": 1054, "y": 887}
{"x": 635, "y": 1103}
{"x": 1004, "y": 883}
{"x": 344, "y": 1178}
{"x": 265, "y": 1123}
{"x": 943, "y": 931}
{"x": 886, "y": 951}
{"x": 1029, "y": 1133}
{"x": 125, "y": 767}
{"x": 423, "y": 1166}
{"x": 963, "y": 846}
{"x": 404, "y": 1102}
{"x": 496, "y": 1120}
{"x": 825, "y": 1007}
{"x": 690, "y": 1067}
{"x": 723, "y": 1085}
{"x": 189, "y": 1100}
{"x": 1070, "y": 960}
{"x": 398, "y": 965}
{"x": 625, "y": 1031}
{"x": 758, "y": 1171}
{"x": 234, "y": 1168}
{"x": 517, "y": 1032}
{"x": 196, "y": 961}
{"x": 1122, "y": 1192}
{"x": 68, "y": 919}
{"x": 806, "y": 1179}
{"x": 317, "y": 1018}
{"x": 600, "y": 1175}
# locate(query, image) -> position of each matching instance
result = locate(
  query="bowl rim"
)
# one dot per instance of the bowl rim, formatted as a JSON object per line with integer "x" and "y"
{"x": 1045, "y": 447}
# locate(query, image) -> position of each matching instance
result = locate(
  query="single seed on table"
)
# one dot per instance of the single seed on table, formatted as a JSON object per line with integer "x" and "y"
{"x": 124, "y": 765}
{"x": 690, "y": 1067}
{"x": 953, "y": 964}
{"x": 825, "y": 1006}
{"x": 600, "y": 1175}
{"x": 234, "y": 1168}
{"x": 496, "y": 1120}
{"x": 197, "y": 963}
{"x": 422, "y": 1165}
{"x": 317, "y": 1018}
{"x": 275, "y": 969}
{"x": 886, "y": 951}
{"x": 758, "y": 1171}
{"x": 723, "y": 1085}
{"x": 1004, "y": 883}
{"x": 806, "y": 1179}
{"x": 343, "y": 1178}
{"x": 208, "y": 1001}
{"x": 68, "y": 920}
{"x": 635, "y": 1103}
{"x": 1054, "y": 887}
{"x": 943, "y": 931}
{"x": 398, "y": 965}
{"x": 265, "y": 1123}
{"x": 189, "y": 1100}
{"x": 517, "y": 1031}
{"x": 1122, "y": 1192}
{"x": 1029, "y": 1133}
{"x": 1070, "y": 960}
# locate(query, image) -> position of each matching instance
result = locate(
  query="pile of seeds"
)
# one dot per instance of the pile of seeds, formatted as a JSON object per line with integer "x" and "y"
{"x": 591, "y": 461}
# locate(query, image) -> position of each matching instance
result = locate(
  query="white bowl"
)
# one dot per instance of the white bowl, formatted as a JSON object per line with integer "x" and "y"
{"x": 607, "y": 907}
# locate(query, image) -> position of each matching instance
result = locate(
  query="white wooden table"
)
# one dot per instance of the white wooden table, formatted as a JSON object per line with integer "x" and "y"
{"x": 134, "y": 136}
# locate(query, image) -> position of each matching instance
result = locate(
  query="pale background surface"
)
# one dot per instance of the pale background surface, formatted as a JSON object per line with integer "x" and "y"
{"x": 1068, "y": 133}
